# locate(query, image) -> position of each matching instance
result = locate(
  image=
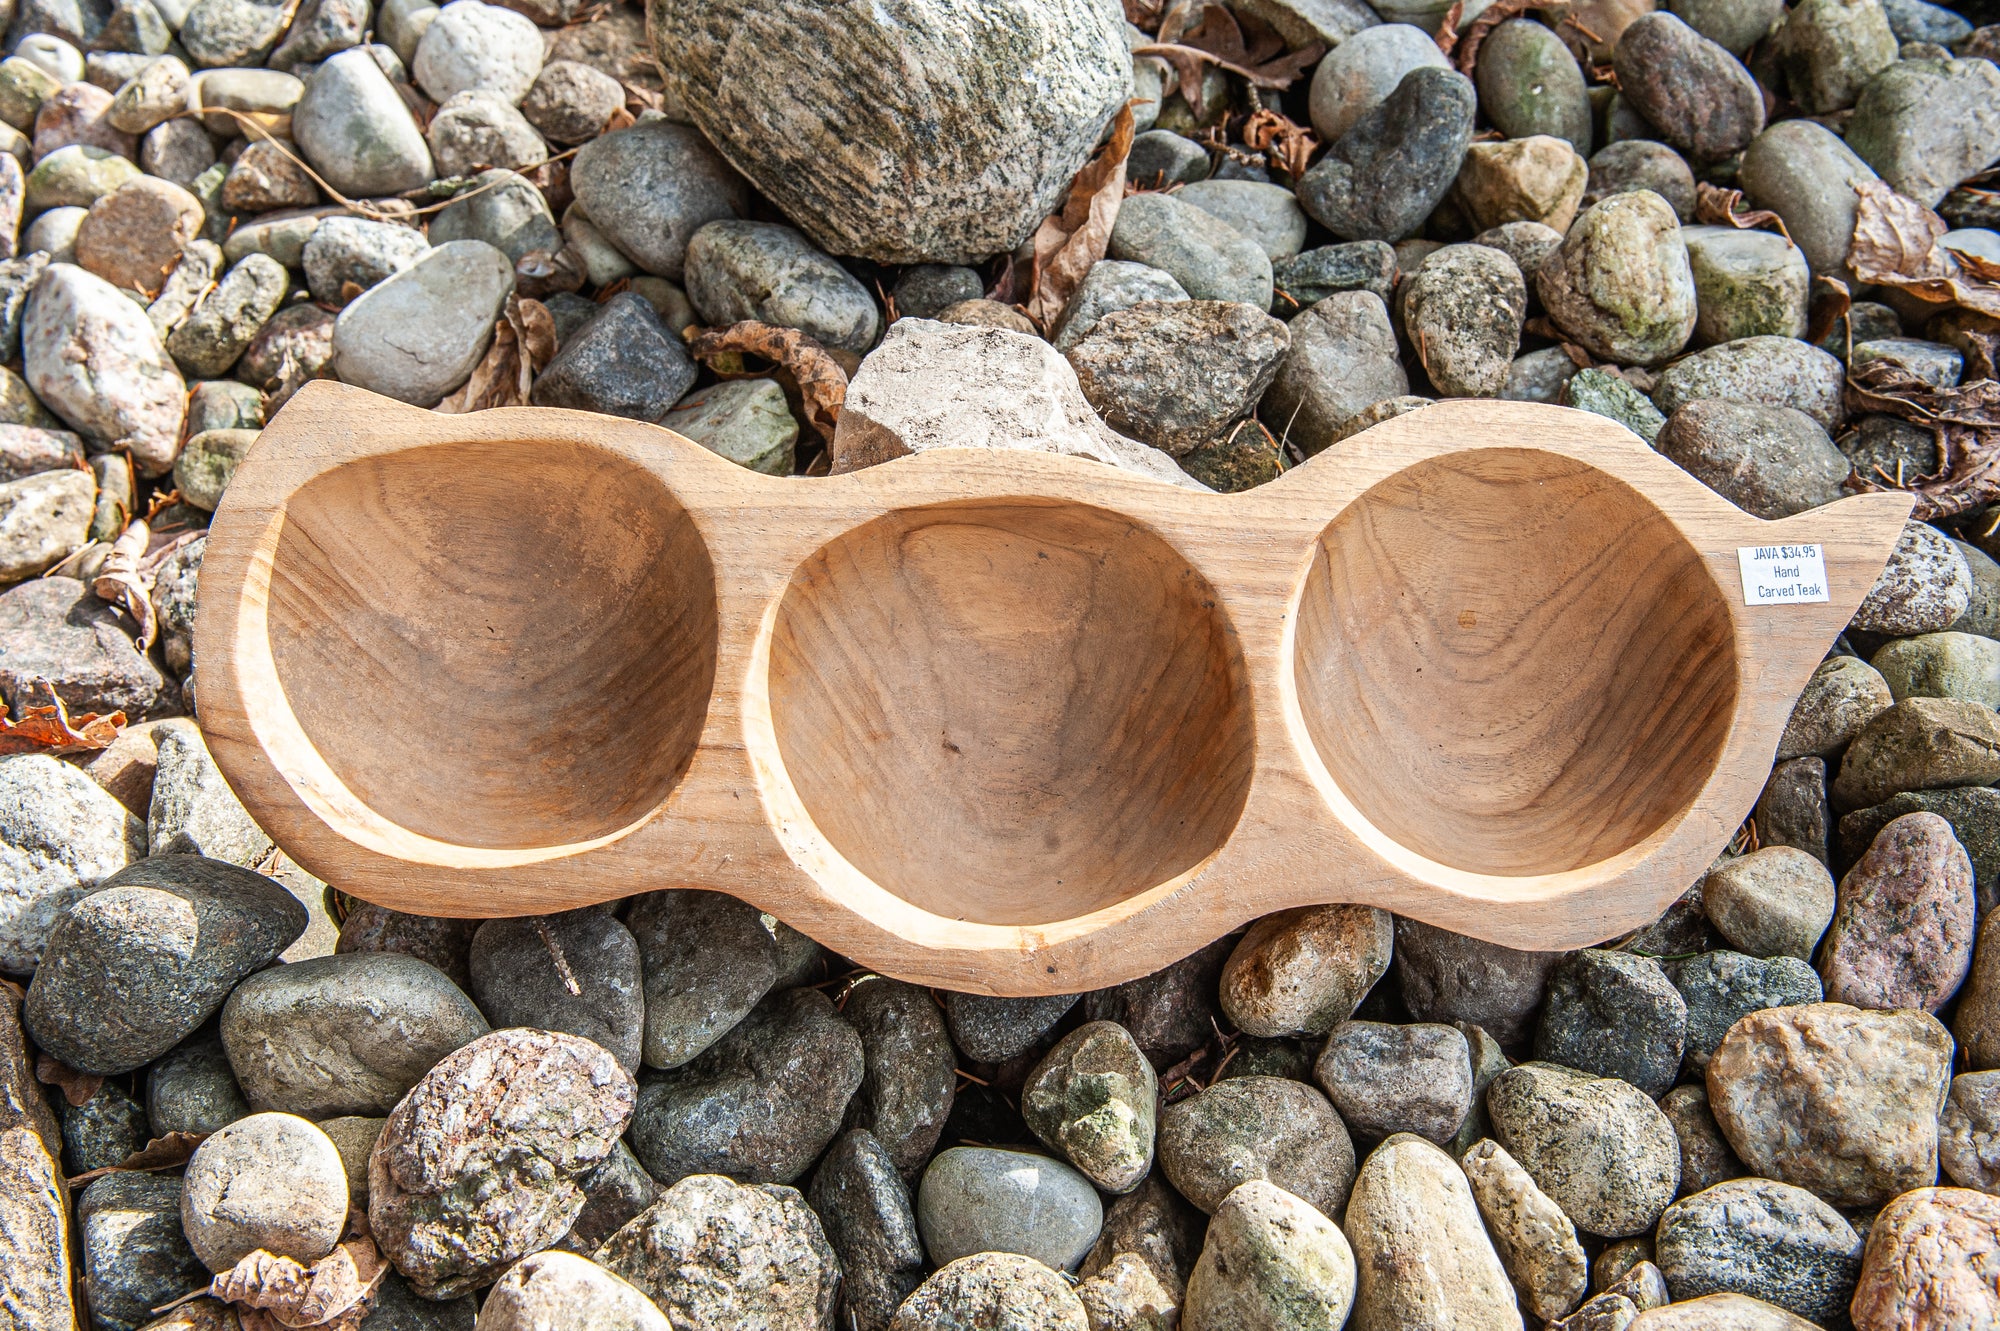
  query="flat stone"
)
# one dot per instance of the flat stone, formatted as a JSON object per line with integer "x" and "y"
{"x": 1599, "y": 1147}
{"x": 479, "y": 1165}
{"x": 1421, "y": 1251}
{"x": 138, "y": 965}
{"x": 1836, "y": 1100}
{"x": 1246, "y": 1128}
{"x": 346, "y": 1034}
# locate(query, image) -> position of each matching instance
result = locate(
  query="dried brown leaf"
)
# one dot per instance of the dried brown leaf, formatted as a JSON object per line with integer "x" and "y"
{"x": 168, "y": 1152}
{"x": 1067, "y": 244}
{"x": 1719, "y": 207}
{"x": 333, "y": 1293}
{"x": 77, "y": 1087}
{"x": 47, "y": 727}
{"x": 1965, "y": 421}
{"x": 524, "y": 340}
{"x": 821, "y": 382}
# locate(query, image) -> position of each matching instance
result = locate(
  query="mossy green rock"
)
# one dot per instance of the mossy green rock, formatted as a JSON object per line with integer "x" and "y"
{"x": 1746, "y": 283}
{"x": 1607, "y": 394}
{"x": 1094, "y": 1098}
{"x": 1942, "y": 665}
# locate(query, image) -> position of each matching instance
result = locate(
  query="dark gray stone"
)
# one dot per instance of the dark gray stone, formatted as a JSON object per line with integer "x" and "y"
{"x": 138, "y": 965}
{"x": 517, "y": 981}
{"x": 871, "y": 1226}
{"x": 1613, "y": 1014}
{"x": 761, "y": 1103}
{"x": 623, "y": 362}
{"x": 1383, "y": 177}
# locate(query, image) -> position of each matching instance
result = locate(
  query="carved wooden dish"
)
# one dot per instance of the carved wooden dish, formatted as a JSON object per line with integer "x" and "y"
{"x": 1003, "y": 722}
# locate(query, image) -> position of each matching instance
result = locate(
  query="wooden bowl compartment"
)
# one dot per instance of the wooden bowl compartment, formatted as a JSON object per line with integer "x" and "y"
{"x": 1010, "y": 712}
{"x": 498, "y": 645}
{"x": 1513, "y": 663}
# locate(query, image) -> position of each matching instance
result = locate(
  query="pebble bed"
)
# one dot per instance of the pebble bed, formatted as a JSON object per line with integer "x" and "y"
{"x": 233, "y": 1097}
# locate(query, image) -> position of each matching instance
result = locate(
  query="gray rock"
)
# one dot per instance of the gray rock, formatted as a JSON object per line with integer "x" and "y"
{"x": 503, "y": 209}
{"x": 1387, "y": 1079}
{"x": 1621, "y": 284}
{"x": 1180, "y": 374}
{"x": 1924, "y": 588}
{"x": 103, "y": 1131}
{"x": 759, "y": 1104}
{"x": 715, "y": 1255}
{"x": 346, "y": 1034}
{"x": 797, "y": 113}
{"x": 1268, "y": 214}
{"x": 355, "y": 130}
{"x": 1833, "y": 1099}
{"x": 1310, "y": 277}
{"x": 1640, "y": 164}
{"x": 1450, "y": 977}
{"x": 976, "y": 1199}
{"x": 518, "y": 982}
{"x": 622, "y": 363}
{"x": 1803, "y": 172}
{"x": 216, "y": 334}
{"x": 1270, "y": 1260}
{"x": 1257, "y": 1127}
{"x": 60, "y": 835}
{"x": 998, "y": 1290}
{"x": 1830, "y": 49}
{"x": 1535, "y": 1241}
{"x": 1613, "y": 1014}
{"x": 1343, "y": 360}
{"x": 192, "y": 1089}
{"x": 478, "y": 47}
{"x": 1605, "y": 393}
{"x": 756, "y": 270}
{"x": 870, "y": 1224}
{"x": 417, "y": 336}
{"x": 708, "y": 960}
{"x": 1770, "y": 461}
{"x": 1421, "y": 1251}
{"x": 747, "y": 421}
{"x": 1721, "y": 987}
{"x": 1844, "y": 694}
{"x": 1773, "y": 902}
{"x": 1109, "y": 285}
{"x": 1093, "y": 1098}
{"x": 1699, "y": 96}
{"x": 1530, "y": 84}
{"x": 1209, "y": 258}
{"x": 476, "y": 131}
{"x": 345, "y": 250}
{"x": 92, "y": 356}
{"x": 993, "y": 1030}
{"x": 1764, "y": 1239}
{"x": 1598, "y": 1146}
{"x": 571, "y": 101}
{"x": 650, "y": 187}
{"x": 1747, "y": 284}
{"x": 561, "y": 1289}
{"x": 1463, "y": 309}
{"x": 1771, "y": 371}
{"x": 270, "y": 1181}
{"x": 479, "y": 1165}
{"x": 1969, "y": 1131}
{"x": 142, "y": 962}
{"x": 1359, "y": 73}
{"x": 1919, "y": 744}
{"x": 1382, "y": 177}
{"x": 131, "y": 1255}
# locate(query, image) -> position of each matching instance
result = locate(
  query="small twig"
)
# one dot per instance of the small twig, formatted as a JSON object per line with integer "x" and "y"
{"x": 556, "y": 954}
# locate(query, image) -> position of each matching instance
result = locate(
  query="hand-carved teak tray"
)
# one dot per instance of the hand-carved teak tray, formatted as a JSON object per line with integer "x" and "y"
{"x": 998, "y": 721}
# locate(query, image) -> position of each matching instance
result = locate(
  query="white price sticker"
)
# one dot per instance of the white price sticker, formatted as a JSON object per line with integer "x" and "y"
{"x": 1782, "y": 574}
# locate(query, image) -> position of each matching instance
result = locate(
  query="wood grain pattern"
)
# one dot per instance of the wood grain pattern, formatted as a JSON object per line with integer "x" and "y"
{"x": 1004, "y": 722}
